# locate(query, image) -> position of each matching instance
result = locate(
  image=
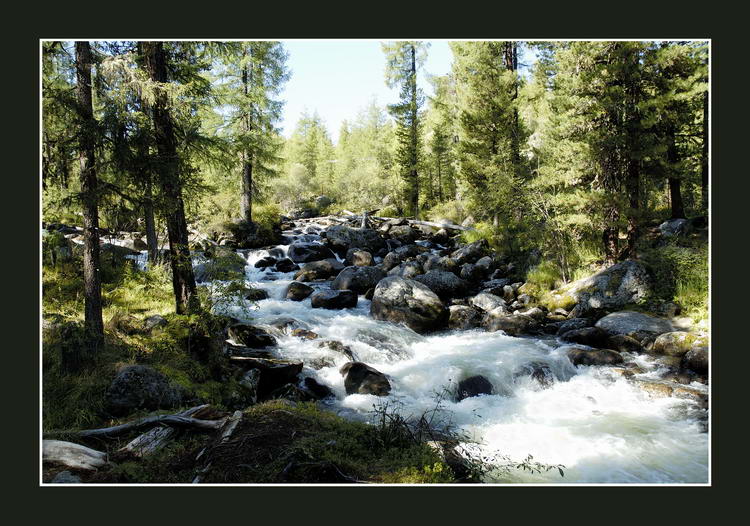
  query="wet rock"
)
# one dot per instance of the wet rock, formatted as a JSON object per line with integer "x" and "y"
{"x": 676, "y": 343}
{"x": 286, "y": 265}
{"x": 635, "y": 324}
{"x": 591, "y": 336}
{"x": 401, "y": 300}
{"x": 488, "y": 302}
{"x": 445, "y": 284}
{"x": 411, "y": 251}
{"x": 339, "y": 347}
{"x": 286, "y": 324}
{"x": 696, "y": 359}
{"x": 334, "y": 299}
{"x": 442, "y": 263}
{"x": 498, "y": 288}
{"x": 341, "y": 238}
{"x": 408, "y": 270}
{"x": 265, "y": 262}
{"x": 254, "y": 294}
{"x": 304, "y": 334}
{"x": 323, "y": 269}
{"x": 538, "y": 371}
{"x": 319, "y": 390}
{"x": 298, "y": 291}
{"x": 273, "y": 373}
{"x": 623, "y": 343}
{"x": 250, "y": 336}
{"x": 308, "y": 252}
{"x": 358, "y": 279}
{"x": 249, "y": 382}
{"x": 575, "y": 323}
{"x": 359, "y": 258}
{"x": 141, "y": 387}
{"x": 579, "y": 356}
{"x": 292, "y": 393}
{"x": 515, "y": 325}
{"x": 360, "y": 378}
{"x": 463, "y": 317}
{"x": 535, "y": 313}
{"x": 473, "y": 386}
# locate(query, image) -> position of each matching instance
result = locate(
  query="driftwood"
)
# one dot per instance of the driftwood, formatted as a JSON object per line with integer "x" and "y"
{"x": 149, "y": 442}
{"x": 230, "y": 424}
{"x": 177, "y": 420}
{"x": 73, "y": 455}
{"x": 367, "y": 216}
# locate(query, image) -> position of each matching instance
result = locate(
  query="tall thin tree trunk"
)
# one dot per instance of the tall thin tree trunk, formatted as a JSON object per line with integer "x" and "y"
{"x": 148, "y": 211}
{"x": 704, "y": 155}
{"x": 511, "y": 64}
{"x": 675, "y": 192}
{"x": 440, "y": 182}
{"x": 89, "y": 183}
{"x": 247, "y": 167}
{"x": 413, "y": 174}
{"x": 183, "y": 280}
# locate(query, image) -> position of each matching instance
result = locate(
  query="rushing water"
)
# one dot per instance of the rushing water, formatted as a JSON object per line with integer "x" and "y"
{"x": 600, "y": 426}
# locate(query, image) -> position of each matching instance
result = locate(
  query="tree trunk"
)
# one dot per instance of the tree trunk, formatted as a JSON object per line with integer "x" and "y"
{"x": 704, "y": 155}
{"x": 675, "y": 193}
{"x": 440, "y": 183}
{"x": 87, "y": 129}
{"x": 413, "y": 173}
{"x": 247, "y": 167}
{"x": 183, "y": 280}
{"x": 511, "y": 64}
{"x": 148, "y": 211}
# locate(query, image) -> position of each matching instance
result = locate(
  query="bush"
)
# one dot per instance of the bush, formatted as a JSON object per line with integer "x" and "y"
{"x": 453, "y": 210}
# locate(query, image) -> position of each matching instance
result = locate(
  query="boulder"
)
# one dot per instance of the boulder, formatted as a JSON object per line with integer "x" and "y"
{"x": 305, "y": 334}
{"x": 286, "y": 265}
{"x": 499, "y": 287}
{"x": 696, "y": 359}
{"x": 515, "y": 325}
{"x": 410, "y": 302}
{"x": 319, "y": 390}
{"x": 675, "y": 227}
{"x": 253, "y": 294}
{"x": 268, "y": 261}
{"x": 322, "y": 201}
{"x": 463, "y": 317}
{"x": 339, "y": 347}
{"x": 445, "y": 284}
{"x": 360, "y": 378}
{"x": 470, "y": 253}
{"x": 298, "y": 291}
{"x": 390, "y": 261}
{"x": 580, "y": 356}
{"x": 250, "y": 336}
{"x": 486, "y": 264}
{"x": 611, "y": 289}
{"x": 358, "y": 279}
{"x": 154, "y": 321}
{"x": 141, "y": 387}
{"x": 676, "y": 343}
{"x": 403, "y": 233}
{"x": 623, "y": 343}
{"x": 323, "y": 269}
{"x": 334, "y": 299}
{"x": 473, "y": 386}
{"x": 488, "y": 302}
{"x": 273, "y": 373}
{"x": 408, "y": 270}
{"x": 538, "y": 371}
{"x": 444, "y": 263}
{"x": 575, "y": 323}
{"x": 65, "y": 477}
{"x": 359, "y": 258}
{"x": 472, "y": 273}
{"x": 307, "y": 252}
{"x": 635, "y": 324}
{"x": 341, "y": 238}
{"x": 591, "y": 336}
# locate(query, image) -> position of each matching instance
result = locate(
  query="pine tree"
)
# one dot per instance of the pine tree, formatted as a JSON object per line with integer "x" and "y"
{"x": 402, "y": 61}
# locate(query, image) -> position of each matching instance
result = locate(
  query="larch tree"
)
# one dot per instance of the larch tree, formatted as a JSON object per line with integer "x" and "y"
{"x": 170, "y": 181}
{"x": 87, "y": 137}
{"x": 251, "y": 75}
{"x": 403, "y": 59}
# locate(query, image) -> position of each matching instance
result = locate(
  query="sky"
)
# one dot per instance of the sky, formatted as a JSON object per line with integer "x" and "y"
{"x": 337, "y": 78}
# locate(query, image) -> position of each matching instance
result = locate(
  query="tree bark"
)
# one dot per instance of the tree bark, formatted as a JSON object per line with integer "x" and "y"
{"x": 246, "y": 204}
{"x": 89, "y": 183}
{"x": 704, "y": 155}
{"x": 675, "y": 191}
{"x": 183, "y": 280}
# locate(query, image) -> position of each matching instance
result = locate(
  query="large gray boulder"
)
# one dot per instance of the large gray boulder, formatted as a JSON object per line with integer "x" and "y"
{"x": 675, "y": 227}
{"x": 341, "y": 238}
{"x": 611, "y": 289}
{"x": 443, "y": 263}
{"x": 512, "y": 325}
{"x": 581, "y": 356}
{"x": 696, "y": 359}
{"x": 406, "y": 301}
{"x": 463, "y": 317}
{"x": 141, "y": 387}
{"x": 488, "y": 302}
{"x": 358, "y": 279}
{"x": 635, "y": 324}
{"x": 306, "y": 252}
{"x": 470, "y": 253}
{"x": 409, "y": 270}
{"x": 677, "y": 343}
{"x": 445, "y": 284}
{"x": 298, "y": 291}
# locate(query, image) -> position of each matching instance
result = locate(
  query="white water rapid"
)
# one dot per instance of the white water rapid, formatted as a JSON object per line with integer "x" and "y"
{"x": 599, "y": 425}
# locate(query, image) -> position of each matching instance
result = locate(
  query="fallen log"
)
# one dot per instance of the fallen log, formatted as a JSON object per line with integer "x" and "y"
{"x": 149, "y": 442}
{"x": 73, "y": 455}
